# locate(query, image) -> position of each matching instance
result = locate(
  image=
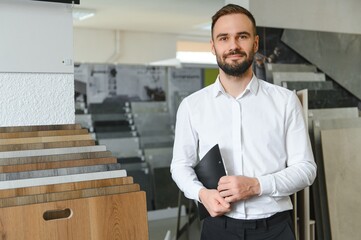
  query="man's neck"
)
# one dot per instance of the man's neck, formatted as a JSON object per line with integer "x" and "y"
{"x": 234, "y": 86}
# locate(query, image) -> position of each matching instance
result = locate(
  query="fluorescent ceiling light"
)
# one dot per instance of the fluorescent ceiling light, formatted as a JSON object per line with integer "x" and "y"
{"x": 80, "y": 14}
{"x": 196, "y": 57}
{"x": 205, "y": 26}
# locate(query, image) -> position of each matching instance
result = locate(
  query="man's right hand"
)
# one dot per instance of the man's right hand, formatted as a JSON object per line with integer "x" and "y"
{"x": 214, "y": 202}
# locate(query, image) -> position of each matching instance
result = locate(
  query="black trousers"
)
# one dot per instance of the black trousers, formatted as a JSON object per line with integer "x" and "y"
{"x": 276, "y": 227}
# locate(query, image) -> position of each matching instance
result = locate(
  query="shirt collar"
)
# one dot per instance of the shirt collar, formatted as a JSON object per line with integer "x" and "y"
{"x": 252, "y": 86}
{"x": 218, "y": 88}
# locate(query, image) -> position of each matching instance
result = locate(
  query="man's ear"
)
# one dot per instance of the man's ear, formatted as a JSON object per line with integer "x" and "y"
{"x": 256, "y": 43}
{"x": 212, "y": 47}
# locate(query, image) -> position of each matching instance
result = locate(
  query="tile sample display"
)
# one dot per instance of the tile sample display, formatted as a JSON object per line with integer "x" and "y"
{"x": 279, "y": 77}
{"x": 122, "y": 147}
{"x": 319, "y": 186}
{"x": 148, "y": 106}
{"x": 326, "y": 85}
{"x": 281, "y": 67}
{"x": 341, "y": 152}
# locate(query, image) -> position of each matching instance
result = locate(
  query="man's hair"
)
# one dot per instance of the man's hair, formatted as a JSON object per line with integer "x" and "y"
{"x": 233, "y": 9}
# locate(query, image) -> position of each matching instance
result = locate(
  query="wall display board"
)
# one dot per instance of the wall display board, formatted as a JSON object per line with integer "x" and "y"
{"x": 143, "y": 82}
{"x": 181, "y": 83}
{"x": 36, "y": 36}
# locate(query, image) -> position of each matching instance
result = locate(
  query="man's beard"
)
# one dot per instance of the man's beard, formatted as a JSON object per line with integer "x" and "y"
{"x": 235, "y": 69}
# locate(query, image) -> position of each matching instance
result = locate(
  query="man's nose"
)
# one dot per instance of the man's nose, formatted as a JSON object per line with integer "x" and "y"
{"x": 234, "y": 44}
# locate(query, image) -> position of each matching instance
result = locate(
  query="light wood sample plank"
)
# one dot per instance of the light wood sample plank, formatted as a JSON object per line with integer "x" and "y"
{"x": 51, "y": 151}
{"x": 10, "y": 141}
{"x": 40, "y": 128}
{"x": 32, "y": 182}
{"x": 16, "y": 192}
{"x": 54, "y": 158}
{"x": 112, "y": 217}
{"x": 57, "y": 164}
{"x": 67, "y": 195}
{"x": 31, "y": 146}
{"x": 58, "y": 172}
{"x": 44, "y": 133}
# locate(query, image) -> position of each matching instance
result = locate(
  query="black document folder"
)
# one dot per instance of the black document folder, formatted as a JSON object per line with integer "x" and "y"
{"x": 209, "y": 170}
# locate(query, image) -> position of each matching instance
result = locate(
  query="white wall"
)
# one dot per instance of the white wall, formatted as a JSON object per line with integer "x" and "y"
{"x": 36, "y": 37}
{"x": 99, "y": 46}
{"x": 341, "y": 16}
{"x": 36, "y": 79}
{"x": 36, "y": 99}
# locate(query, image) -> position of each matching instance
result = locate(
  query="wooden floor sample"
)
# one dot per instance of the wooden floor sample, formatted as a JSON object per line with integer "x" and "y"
{"x": 113, "y": 217}
{"x": 51, "y": 151}
{"x": 342, "y": 163}
{"x": 32, "y": 146}
{"x": 58, "y": 172}
{"x": 9, "y": 141}
{"x": 54, "y": 158}
{"x": 58, "y": 164}
{"x": 16, "y": 192}
{"x": 32, "y": 182}
{"x": 44, "y": 133}
{"x": 67, "y": 195}
{"x": 40, "y": 128}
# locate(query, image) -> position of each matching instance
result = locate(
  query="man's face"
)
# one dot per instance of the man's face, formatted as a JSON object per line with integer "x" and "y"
{"x": 234, "y": 43}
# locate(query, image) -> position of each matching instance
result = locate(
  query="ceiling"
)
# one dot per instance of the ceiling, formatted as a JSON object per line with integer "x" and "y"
{"x": 180, "y": 17}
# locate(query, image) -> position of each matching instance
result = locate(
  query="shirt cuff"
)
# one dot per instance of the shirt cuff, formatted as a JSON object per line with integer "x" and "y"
{"x": 198, "y": 188}
{"x": 267, "y": 184}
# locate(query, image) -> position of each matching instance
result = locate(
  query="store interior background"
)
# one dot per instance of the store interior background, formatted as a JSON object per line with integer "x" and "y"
{"x": 129, "y": 46}
{"x": 143, "y": 45}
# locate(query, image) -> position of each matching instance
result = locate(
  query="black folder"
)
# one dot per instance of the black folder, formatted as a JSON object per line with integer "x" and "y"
{"x": 209, "y": 170}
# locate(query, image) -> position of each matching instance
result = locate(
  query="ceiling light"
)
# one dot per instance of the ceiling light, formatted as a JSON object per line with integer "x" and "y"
{"x": 204, "y": 26}
{"x": 80, "y": 14}
{"x": 196, "y": 57}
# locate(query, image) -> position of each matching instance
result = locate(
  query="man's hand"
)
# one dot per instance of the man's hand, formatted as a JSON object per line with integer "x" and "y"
{"x": 236, "y": 188}
{"x": 214, "y": 203}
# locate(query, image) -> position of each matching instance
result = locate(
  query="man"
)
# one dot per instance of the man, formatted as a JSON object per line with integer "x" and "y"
{"x": 262, "y": 137}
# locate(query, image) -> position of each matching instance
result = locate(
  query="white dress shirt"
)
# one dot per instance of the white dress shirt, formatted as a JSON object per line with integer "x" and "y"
{"x": 261, "y": 133}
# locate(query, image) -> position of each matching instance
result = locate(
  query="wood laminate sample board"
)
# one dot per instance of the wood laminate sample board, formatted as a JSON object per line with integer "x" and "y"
{"x": 55, "y": 165}
{"x": 40, "y": 128}
{"x": 9, "y": 141}
{"x": 44, "y": 133}
{"x": 16, "y": 192}
{"x": 32, "y": 146}
{"x": 61, "y": 179}
{"x": 54, "y": 158}
{"x": 112, "y": 217}
{"x": 342, "y": 163}
{"x": 51, "y": 151}
{"x": 67, "y": 195}
{"x": 58, "y": 172}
